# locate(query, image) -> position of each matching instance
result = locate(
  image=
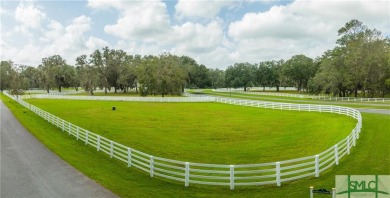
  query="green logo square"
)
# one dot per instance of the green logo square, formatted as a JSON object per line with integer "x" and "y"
{"x": 363, "y": 186}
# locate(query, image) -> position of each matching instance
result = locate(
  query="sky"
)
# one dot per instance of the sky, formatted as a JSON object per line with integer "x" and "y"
{"x": 214, "y": 33}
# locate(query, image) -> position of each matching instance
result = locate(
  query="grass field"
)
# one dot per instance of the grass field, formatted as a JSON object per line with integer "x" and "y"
{"x": 371, "y": 156}
{"x": 206, "y": 132}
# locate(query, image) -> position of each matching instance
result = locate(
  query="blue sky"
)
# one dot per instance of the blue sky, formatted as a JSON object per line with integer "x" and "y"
{"x": 215, "y": 33}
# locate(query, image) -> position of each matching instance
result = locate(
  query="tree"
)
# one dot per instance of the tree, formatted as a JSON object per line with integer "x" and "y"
{"x": 16, "y": 81}
{"x": 188, "y": 64}
{"x": 128, "y": 73}
{"x": 52, "y": 72}
{"x": 240, "y": 75}
{"x": 217, "y": 78}
{"x": 264, "y": 74}
{"x": 100, "y": 61}
{"x": 300, "y": 69}
{"x": 30, "y": 77}
{"x": 116, "y": 62}
{"x": 200, "y": 76}
{"x": 87, "y": 74}
{"x": 276, "y": 74}
{"x": 161, "y": 75}
{"x": 360, "y": 63}
{"x": 5, "y": 74}
{"x": 332, "y": 74}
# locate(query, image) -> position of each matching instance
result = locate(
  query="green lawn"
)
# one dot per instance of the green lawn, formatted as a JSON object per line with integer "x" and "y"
{"x": 371, "y": 156}
{"x": 206, "y": 132}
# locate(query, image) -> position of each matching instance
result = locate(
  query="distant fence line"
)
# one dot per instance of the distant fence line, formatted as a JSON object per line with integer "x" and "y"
{"x": 220, "y": 174}
{"x": 122, "y": 98}
{"x": 352, "y": 99}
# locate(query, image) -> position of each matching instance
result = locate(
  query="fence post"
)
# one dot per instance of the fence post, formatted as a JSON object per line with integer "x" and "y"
{"x": 336, "y": 154}
{"x": 187, "y": 175}
{"x": 317, "y": 165}
{"x": 77, "y": 133}
{"x": 86, "y": 137}
{"x": 357, "y": 134}
{"x": 348, "y": 145}
{"x": 231, "y": 177}
{"x": 333, "y": 192}
{"x": 63, "y": 125}
{"x": 128, "y": 157}
{"x": 69, "y": 128}
{"x": 111, "y": 148}
{"x": 354, "y": 138}
{"x": 151, "y": 166}
{"x": 311, "y": 191}
{"x": 98, "y": 143}
{"x": 278, "y": 174}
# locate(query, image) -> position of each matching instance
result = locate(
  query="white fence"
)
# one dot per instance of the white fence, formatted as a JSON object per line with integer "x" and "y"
{"x": 120, "y": 98}
{"x": 220, "y": 174}
{"x": 306, "y": 96}
{"x": 52, "y": 92}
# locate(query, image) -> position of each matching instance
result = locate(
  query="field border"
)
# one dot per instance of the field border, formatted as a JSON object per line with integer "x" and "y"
{"x": 218, "y": 174}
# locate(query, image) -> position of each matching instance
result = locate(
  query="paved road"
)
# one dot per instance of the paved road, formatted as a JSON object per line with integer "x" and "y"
{"x": 378, "y": 111}
{"x": 28, "y": 169}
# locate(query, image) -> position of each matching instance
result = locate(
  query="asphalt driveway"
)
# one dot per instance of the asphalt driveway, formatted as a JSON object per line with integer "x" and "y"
{"x": 29, "y": 169}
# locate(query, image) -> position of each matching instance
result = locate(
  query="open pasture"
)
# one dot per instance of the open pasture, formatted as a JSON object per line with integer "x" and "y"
{"x": 206, "y": 132}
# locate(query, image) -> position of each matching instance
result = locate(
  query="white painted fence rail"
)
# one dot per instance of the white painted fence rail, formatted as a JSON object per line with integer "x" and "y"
{"x": 220, "y": 174}
{"x": 346, "y": 99}
{"x": 122, "y": 98}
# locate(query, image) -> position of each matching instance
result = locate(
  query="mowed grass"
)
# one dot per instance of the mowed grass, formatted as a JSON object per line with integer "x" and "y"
{"x": 370, "y": 156}
{"x": 206, "y": 132}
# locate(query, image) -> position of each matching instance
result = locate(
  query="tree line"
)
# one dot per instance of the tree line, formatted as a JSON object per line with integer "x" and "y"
{"x": 359, "y": 65}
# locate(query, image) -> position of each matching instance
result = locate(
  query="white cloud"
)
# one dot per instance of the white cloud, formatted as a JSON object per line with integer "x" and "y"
{"x": 29, "y": 15}
{"x": 200, "y": 9}
{"x": 303, "y": 27}
{"x": 200, "y": 29}
{"x": 195, "y": 38}
{"x": 54, "y": 30}
{"x": 279, "y": 22}
{"x": 139, "y": 20}
{"x": 4, "y": 11}
{"x": 68, "y": 41}
{"x": 96, "y": 43}
{"x": 145, "y": 28}
{"x": 104, "y": 4}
